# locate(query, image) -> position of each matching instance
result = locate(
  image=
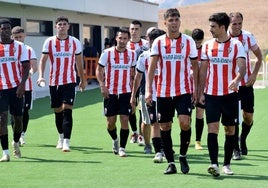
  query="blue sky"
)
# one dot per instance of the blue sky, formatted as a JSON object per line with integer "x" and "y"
{"x": 176, "y": 3}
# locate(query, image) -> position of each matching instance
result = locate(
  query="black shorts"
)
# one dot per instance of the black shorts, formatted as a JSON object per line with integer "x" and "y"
{"x": 246, "y": 95}
{"x": 117, "y": 105}
{"x": 63, "y": 94}
{"x": 222, "y": 107}
{"x": 166, "y": 107}
{"x": 27, "y": 103}
{"x": 9, "y": 100}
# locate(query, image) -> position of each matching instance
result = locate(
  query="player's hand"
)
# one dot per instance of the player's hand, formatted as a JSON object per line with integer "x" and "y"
{"x": 41, "y": 82}
{"x": 105, "y": 92}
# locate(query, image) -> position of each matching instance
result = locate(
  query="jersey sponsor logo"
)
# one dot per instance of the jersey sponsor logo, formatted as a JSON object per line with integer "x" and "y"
{"x": 220, "y": 60}
{"x": 62, "y": 54}
{"x": 176, "y": 57}
{"x": 8, "y": 59}
{"x": 122, "y": 67}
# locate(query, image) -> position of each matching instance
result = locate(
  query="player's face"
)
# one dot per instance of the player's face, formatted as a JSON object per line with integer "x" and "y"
{"x": 214, "y": 29}
{"x": 198, "y": 43}
{"x": 135, "y": 30}
{"x": 173, "y": 24}
{"x": 19, "y": 37}
{"x": 121, "y": 40}
{"x": 5, "y": 30}
{"x": 236, "y": 25}
{"x": 62, "y": 27}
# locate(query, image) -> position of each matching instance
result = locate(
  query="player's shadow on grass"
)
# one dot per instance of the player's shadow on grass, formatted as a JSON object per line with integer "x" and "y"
{"x": 41, "y": 106}
{"x": 49, "y": 160}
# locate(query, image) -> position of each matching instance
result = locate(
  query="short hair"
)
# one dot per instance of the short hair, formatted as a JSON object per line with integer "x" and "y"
{"x": 123, "y": 30}
{"x": 198, "y": 34}
{"x": 5, "y": 21}
{"x": 62, "y": 18}
{"x": 171, "y": 13}
{"x": 236, "y": 14}
{"x": 136, "y": 22}
{"x": 221, "y": 18}
{"x": 155, "y": 33}
{"x": 17, "y": 29}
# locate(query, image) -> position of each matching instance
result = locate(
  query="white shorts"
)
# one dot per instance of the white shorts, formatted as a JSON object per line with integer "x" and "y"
{"x": 144, "y": 112}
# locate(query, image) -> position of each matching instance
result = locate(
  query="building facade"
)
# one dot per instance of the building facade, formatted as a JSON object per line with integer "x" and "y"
{"x": 94, "y": 20}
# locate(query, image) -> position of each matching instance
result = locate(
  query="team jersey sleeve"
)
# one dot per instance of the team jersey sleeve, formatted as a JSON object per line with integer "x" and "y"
{"x": 154, "y": 48}
{"x": 78, "y": 46}
{"x": 103, "y": 60}
{"x": 193, "y": 51}
{"x": 141, "y": 63}
{"x": 241, "y": 51}
{"x": 204, "y": 56}
{"x": 45, "y": 49}
{"x": 32, "y": 53}
{"x": 24, "y": 55}
{"x": 253, "y": 42}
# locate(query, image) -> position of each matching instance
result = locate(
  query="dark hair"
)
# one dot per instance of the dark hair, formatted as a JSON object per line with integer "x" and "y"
{"x": 236, "y": 14}
{"x": 198, "y": 34}
{"x": 17, "y": 29}
{"x": 136, "y": 22}
{"x": 220, "y": 18}
{"x": 62, "y": 18}
{"x": 171, "y": 13}
{"x": 5, "y": 21}
{"x": 155, "y": 33}
{"x": 123, "y": 30}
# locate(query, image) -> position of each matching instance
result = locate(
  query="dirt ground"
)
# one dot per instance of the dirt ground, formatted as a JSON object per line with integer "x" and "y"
{"x": 255, "y": 15}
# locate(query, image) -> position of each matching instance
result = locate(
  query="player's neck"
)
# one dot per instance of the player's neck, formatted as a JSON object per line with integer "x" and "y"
{"x": 62, "y": 36}
{"x": 120, "y": 49}
{"x": 223, "y": 38}
{"x": 174, "y": 35}
{"x": 135, "y": 40}
{"x": 6, "y": 40}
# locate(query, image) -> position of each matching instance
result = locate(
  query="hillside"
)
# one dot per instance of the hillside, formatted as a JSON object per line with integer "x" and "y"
{"x": 254, "y": 12}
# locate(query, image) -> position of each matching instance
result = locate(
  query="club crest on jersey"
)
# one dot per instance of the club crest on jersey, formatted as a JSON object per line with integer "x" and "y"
{"x": 229, "y": 50}
{"x": 121, "y": 59}
{"x": 243, "y": 42}
{"x": 14, "y": 50}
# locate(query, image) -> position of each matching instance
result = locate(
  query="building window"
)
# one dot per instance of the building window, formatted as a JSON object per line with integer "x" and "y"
{"x": 39, "y": 28}
{"x": 14, "y": 21}
{"x": 74, "y": 30}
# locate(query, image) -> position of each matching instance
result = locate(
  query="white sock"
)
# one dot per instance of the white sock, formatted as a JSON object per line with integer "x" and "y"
{"x": 6, "y": 152}
{"x": 61, "y": 136}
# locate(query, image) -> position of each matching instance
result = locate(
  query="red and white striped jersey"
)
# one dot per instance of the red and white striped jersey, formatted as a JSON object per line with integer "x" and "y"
{"x": 118, "y": 71}
{"x": 62, "y": 59}
{"x": 249, "y": 42}
{"x": 31, "y": 56}
{"x": 174, "y": 64}
{"x": 222, "y": 67}
{"x": 11, "y": 57}
{"x": 143, "y": 65}
{"x": 137, "y": 45}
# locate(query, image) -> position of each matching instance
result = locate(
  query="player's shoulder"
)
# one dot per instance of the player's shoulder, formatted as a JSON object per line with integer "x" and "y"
{"x": 245, "y": 32}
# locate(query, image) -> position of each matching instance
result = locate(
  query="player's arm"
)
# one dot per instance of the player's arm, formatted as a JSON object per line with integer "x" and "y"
{"x": 136, "y": 84}
{"x": 195, "y": 69}
{"x": 202, "y": 74}
{"x": 25, "y": 74}
{"x": 100, "y": 74}
{"x": 33, "y": 66}
{"x": 41, "y": 68}
{"x": 253, "y": 76}
{"x": 149, "y": 78}
{"x": 241, "y": 63}
{"x": 79, "y": 66}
